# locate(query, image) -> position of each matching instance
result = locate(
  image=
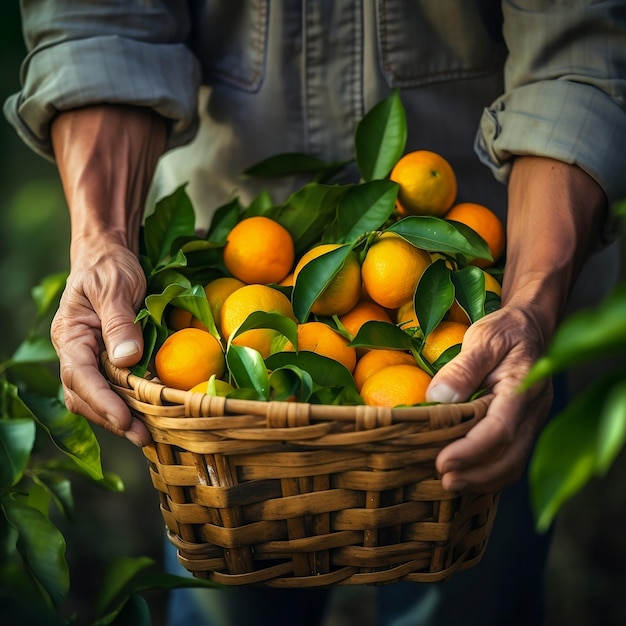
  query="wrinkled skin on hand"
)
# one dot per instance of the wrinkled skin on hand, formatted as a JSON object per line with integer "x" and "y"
{"x": 104, "y": 289}
{"x": 499, "y": 350}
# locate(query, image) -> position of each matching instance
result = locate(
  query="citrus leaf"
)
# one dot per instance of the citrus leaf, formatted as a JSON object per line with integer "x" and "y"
{"x": 36, "y": 377}
{"x": 612, "y": 427}
{"x": 41, "y": 546}
{"x": 58, "y": 487}
{"x": 336, "y": 396}
{"x": 195, "y": 301}
{"x": 314, "y": 277}
{"x": 375, "y": 334}
{"x": 117, "y": 577}
{"x": 365, "y": 207}
{"x": 47, "y": 293}
{"x": 565, "y": 457}
{"x": 271, "y": 320}
{"x": 223, "y": 221}
{"x": 380, "y": 138}
{"x": 434, "y": 296}
{"x": 324, "y": 372}
{"x": 17, "y": 437}
{"x": 35, "y": 350}
{"x": 156, "y": 303}
{"x": 434, "y": 234}
{"x": 308, "y": 211}
{"x": 69, "y": 432}
{"x": 109, "y": 482}
{"x": 288, "y": 164}
{"x": 291, "y": 382}
{"x": 248, "y": 369}
{"x": 173, "y": 217}
{"x": 586, "y": 335}
{"x": 469, "y": 286}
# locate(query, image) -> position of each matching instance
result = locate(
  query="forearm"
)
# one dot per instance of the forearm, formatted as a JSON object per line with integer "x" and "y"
{"x": 106, "y": 156}
{"x": 555, "y": 216}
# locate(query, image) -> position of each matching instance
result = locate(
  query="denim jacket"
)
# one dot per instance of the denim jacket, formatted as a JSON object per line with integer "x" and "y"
{"x": 481, "y": 80}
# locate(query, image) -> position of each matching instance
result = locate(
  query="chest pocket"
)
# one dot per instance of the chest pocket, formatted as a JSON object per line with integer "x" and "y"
{"x": 427, "y": 41}
{"x": 231, "y": 42}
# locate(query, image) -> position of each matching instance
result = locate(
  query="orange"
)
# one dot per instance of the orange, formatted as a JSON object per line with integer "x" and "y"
{"x": 177, "y": 318}
{"x": 247, "y": 300}
{"x": 375, "y": 360}
{"x": 187, "y": 357}
{"x": 444, "y": 336}
{"x": 322, "y": 339}
{"x": 363, "y": 311}
{"x": 213, "y": 387}
{"x": 396, "y": 385}
{"x": 406, "y": 317}
{"x": 216, "y": 293}
{"x": 427, "y": 182}
{"x": 486, "y": 223}
{"x": 391, "y": 270}
{"x": 344, "y": 290}
{"x": 259, "y": 250}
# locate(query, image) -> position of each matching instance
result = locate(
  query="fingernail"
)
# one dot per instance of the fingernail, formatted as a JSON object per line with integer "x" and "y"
{"x": 113, "y": 421}
{"x": 442, "y": 393}
{"x": 133, "y": 437}
{"x": 124, "y": 349}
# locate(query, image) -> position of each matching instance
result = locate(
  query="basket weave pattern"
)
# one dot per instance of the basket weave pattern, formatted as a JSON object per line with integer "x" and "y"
{"x": 287, "y": 494}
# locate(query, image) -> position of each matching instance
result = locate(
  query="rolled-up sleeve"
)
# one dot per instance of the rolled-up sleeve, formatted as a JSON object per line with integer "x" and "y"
{"x": 565, "y": 90}
{"x": 131, "y": 52}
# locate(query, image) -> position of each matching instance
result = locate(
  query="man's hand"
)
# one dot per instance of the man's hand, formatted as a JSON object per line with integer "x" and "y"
{"x": 555, "y": 215}
{"x": 106, "y": 157}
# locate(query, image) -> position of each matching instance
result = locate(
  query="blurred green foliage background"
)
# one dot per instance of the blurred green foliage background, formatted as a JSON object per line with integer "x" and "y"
{"x": 586, "y": 573}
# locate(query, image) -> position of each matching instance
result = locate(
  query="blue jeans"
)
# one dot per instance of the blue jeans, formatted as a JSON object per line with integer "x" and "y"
{"x": 506, "y": 587}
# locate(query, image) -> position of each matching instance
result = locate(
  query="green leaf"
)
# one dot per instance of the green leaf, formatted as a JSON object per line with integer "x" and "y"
{"x": 156, "y": 303}
{"x": 586, "y": 335}
{"x": 153, "y": 336}
{"x": 195, "y": 301}
{"x": 262, "y": 204}
{"x": 173, "y": 217}
{"x": 308, "y": 211}
{"x": 336, "y": 396}
{"x": 314, "y": 277}
{"x": 17, "y": 437}
{"x": 48, "y": 292}
{"x": 290, "y": 382}
{"x": 375, "y": 334}
{"x": 380, "y": 138}
{"x": 612, "y": 427}
{"x": 58, "y": 487}
{"x": 324, "y": 372}
{"x": 223, "y": 221}
{"x": 248, "y": 369}
{"x": 69, "y": 432}
{"x": 365, "y": 207}
{"x": 434, "y": 296}
{"x": 469, "y": 286}
{"x": 109, "y": 482}
{"x": 41, "y": 546}
{"x": 117, "y": 577}
{"x": 35, "y": 350}
{"x": 566, "y": 457}
{"x": 133, "y": 611}
{"x": 273, "y": 321}
{"x": 36, "y": 377}
{"x": 438, "y": 235}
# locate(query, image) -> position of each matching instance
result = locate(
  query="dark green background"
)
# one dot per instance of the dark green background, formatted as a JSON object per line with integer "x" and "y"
{"x": 586, "y": 574}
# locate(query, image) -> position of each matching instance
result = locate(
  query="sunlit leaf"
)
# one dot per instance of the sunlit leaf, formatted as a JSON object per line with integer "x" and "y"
{"x": 380, "y": 138}
{"x": 434, "y": 296}
{"x": 612, "y": 427}
{"x": 47, "y": 293}
{"x": 469, "y": 287}
{"x": 365, "y": 208}
{"x": 438, "y": 235}
{"x": 17, "y": 437}
{"x": 586, "y": 335}
{"x": 41, "y": 546}
{"x": 248, "y": 369}
{"x": 35, "y": 350}
{"x": 172, "y": 217}
{"x": 314, "y": 277}
{"x": 70, "y": 433}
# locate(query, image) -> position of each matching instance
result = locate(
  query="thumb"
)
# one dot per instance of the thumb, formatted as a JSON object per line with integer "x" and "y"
{"x": 122, "y": 337}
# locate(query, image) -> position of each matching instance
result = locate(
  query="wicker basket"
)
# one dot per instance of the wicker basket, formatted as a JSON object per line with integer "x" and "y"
{"x": 300, "y": 495}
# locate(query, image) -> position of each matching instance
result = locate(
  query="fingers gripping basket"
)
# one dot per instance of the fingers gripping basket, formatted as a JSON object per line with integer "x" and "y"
{"x": 297, "y": 495}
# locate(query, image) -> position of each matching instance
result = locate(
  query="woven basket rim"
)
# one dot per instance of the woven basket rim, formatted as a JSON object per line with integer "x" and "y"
{"x": 159, "y": 397}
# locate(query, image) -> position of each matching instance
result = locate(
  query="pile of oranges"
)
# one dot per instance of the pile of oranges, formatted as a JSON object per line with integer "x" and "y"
{"x": 260, "y": 269}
